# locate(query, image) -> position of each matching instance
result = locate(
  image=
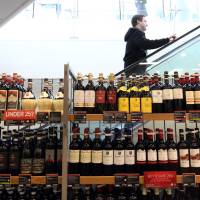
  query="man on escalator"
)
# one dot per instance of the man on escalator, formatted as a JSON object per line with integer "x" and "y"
{"x": 137, "y": 44}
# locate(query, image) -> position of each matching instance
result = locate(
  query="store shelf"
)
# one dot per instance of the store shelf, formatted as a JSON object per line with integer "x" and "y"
{"x": 146, "y": 116}
{"x": 97, "y": 180}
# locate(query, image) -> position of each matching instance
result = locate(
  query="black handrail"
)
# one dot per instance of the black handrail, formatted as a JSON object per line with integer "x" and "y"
{"x": 155, "y": 52}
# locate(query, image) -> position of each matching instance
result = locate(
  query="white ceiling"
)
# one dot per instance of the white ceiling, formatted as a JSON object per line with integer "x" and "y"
{"x": 9, "y": 8}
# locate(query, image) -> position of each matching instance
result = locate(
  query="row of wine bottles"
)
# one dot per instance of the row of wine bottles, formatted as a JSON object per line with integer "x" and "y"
{"x": 13, "y": 94}
{"x": 35, "y": 152}
{"x": 23, "y": 192}
{"x": 138, "y": 94}
{"x": 132, "y": 192}
{"x": 117, "y": 152}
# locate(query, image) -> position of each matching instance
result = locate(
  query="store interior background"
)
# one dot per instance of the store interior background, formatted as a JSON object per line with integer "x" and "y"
{"x": 87, "y": 34}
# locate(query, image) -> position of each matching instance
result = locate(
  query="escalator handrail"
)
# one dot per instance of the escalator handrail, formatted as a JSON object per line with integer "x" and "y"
{"x": 156, "y": 51}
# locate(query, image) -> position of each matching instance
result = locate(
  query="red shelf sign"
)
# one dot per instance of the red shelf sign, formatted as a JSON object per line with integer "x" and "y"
{"x": 163, "y": 179}
{"x": 18, "y": 115}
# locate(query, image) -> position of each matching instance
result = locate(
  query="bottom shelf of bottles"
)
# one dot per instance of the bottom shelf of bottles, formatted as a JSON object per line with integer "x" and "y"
{"x": 83, "y": 180}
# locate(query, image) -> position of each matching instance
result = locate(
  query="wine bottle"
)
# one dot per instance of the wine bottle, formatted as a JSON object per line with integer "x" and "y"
{"x": 74, "y": 154}
{"x": 79, "y": 94}
{"x": 172, "y": 151}
{"x": 183, "y": 150}
{"x": 90, "y": 95}
{"x": 151, "y": 153}
{"x": 179, "y": 103}
{"x": 111, "y": 94}
{"x": 157, "y": 95}
{"x": 168, "y": 98}
{"x": 123, "y": 96}
{"x": 100, "y": 95}
{"x": 162, "y": 153}
{"x": 85, "y": 154}
{"x": 140, "y": 149}
{"x": 197, "y": 92}
{"x": 107, "y": 153}
{"x": 59, "y": 152}
{"x": 3, "y": 92}
{"x": 129, "y": 152}
{"x": 97, "y": 154}
{"x": 146, "y": 98}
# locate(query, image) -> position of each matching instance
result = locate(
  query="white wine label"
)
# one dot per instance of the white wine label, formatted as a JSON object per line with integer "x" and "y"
{"x": 119, "y": 157}
{"x": 12, "y": 99}
{"x": 157, "y": 96}
{"x": 184, "y": 158}
{"x": 86, "y": 156}
{"x": 43, "y": 95}
{"x": 172, "y": 154}
{"x": 49, "y": 156}
{"x": 28, "y": 95}
{"x": 141, "y": 155}
{"x": 90, "y": 98}
{"x": 167, "y": 94}
{"x": 26, "y": 166}
{"x": 197, "y": 97}
{"x": 74, "y": 156}
{"x": 189, "y": 97}
{"x": 108, "y": 157}
{"x": 195, "y": 157}
{"x": 97, "y": 156}
{"x": 3, "y": 99}
{"x": 38, "y": 166}
{"x": 178, "y": 93}
{"x": 129, "y": 157}
{"x": 59, "y": 95}
{"x": 79, "y": 96}
{"x": 162, "y": 155}
{"x": 152, "y": 155}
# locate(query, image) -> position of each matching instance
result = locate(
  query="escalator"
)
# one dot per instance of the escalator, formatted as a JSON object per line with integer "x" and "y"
{"x": 181, "y": 55}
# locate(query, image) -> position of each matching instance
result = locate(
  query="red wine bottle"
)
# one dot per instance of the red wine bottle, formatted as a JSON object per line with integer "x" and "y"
{"x": 3, "y": 92}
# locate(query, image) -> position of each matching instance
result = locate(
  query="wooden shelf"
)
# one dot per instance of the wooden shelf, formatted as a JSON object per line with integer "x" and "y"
{"x": 146, "y": 116}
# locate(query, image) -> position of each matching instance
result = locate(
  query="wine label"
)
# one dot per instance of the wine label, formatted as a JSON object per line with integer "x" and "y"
{"x": 178, "y": 93}
{"x": 189, "y": 97}
{"x": 196, "y": 97}
{"x": 14, "y": 160}
{"x": 172, "y": 155}
{"x": 157, "y": 96}
{"x": 167, "y": 94}
{"x": 26, "y": 165}
{"x": 100, "y": 96}
{"x": 38, "y": 166}
{"x": 134, "y": 104}
{"x": 129, "y": 157}
{"x": 74, "y": 156}
{"x": 108, "y": 157}
{"x": 111, "y": 96}
{"x": 59, "y": 95}
{"x": 28, "y": 95}
{"x": 3, "y": 160}
{"x": 123, "y": 104}
{"x": 119, "y": 157}
{"x": 97, "y": 156}
{"x": 79, "y": 96}
{"x": 50, "y": 156}
{"x": 194, "y": 157}
{"x": 86, "y": 156}
{"x": 3, "y": 99}
{"x": 90, "y": 98}
{"x": 146, "y": 104}
{"x": 141, "y": 155}
{"x": 43, "y": 95}
{"x": 162, "y": 155}
{"x": 152, "y": 155}
{"x": 184, "y": 158}
{"x": 12, "y": 99}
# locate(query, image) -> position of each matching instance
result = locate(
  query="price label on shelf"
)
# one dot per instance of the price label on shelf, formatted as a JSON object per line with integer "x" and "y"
{"x": 4, "y": 179}
{"x": 194, "y": 116}
{"x": 180, "y": 116}
{"x": 55, "y": 117}
{"x": 120, "y": 117}
{"x": 162, "y": 179}
{"x": 188, "y": 178}
{"x": 25, "y": 179}
{"x": 73, "y": 179}
{"x": 52, "y": 179}
{"x": 108, "y": 117}
{"x": 42, "y": 116}
{"x": 80, "y": 117}
{"x": 136, "y": 117}
{"x": 19, "y": 115}
{"x": 120, "y": 179}
{"x": 133, "y": 179}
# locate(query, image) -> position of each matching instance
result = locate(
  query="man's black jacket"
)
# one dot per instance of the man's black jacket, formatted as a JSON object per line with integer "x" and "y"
{"x": 136, "y": 47}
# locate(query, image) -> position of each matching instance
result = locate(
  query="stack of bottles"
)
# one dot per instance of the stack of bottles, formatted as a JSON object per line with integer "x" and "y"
{"x": 117, "y": 151}
{"x": 138, "y": 93}
{"x": 36, "y": 152}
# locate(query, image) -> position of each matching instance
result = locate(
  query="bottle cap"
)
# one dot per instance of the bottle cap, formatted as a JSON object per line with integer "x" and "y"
{"x": 86, "y": 130}
{"x": 97, "y": 131}
{"x": 79, "y": 76}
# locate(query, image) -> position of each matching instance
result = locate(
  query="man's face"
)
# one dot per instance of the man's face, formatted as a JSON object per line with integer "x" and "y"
{"x": 142, "y": 24}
